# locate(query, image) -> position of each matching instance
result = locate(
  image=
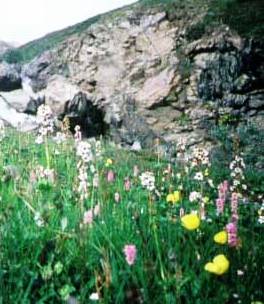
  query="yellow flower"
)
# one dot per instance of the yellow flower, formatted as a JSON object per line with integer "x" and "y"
{"x": 221, "y": 237}
{"x": 108, "y": 162}
{"x": 206, "y": 172}
{"x": 190, "y": 221}
{"x": 206, "y": 199}
{"x": 219, "y": 266}
{"x": 174, "y": 197}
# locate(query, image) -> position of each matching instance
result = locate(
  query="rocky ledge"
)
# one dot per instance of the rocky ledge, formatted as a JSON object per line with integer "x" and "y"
{"x": 137, "y": 77}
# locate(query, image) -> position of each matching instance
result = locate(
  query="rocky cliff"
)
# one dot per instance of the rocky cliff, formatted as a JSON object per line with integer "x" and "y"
{"x": 136, "y": 75}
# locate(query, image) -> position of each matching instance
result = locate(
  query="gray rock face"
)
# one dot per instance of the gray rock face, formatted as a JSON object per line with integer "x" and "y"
{"x": 9, "y": 77}
{"x": 138, "y": 78}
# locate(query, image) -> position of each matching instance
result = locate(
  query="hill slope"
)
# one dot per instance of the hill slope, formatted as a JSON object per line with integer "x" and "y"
{"x": 244, "y": 16}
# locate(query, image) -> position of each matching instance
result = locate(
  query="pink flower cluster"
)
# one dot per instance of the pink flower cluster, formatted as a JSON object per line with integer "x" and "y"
{"x": 89, "y": 215}
{"x": 222, "y": 195}
{"x": 130, "y": 252}
{"x": 231, "y": 230}
{"x": 234, "y": 206}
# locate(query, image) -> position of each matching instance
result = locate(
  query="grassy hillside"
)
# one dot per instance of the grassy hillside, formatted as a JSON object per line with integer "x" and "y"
{"x": 244, "y": 16}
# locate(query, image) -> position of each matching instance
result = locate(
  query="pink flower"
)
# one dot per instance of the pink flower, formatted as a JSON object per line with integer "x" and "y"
{"x": 222, "y": 194}
{"x": 127, "y": 184}
{"x": 231, "y": 229}
{"x": 130, "y": 252}
{"x": 234, "y": 202}
{"x": 110, "y": 176}
{"x": 88, "y": 217}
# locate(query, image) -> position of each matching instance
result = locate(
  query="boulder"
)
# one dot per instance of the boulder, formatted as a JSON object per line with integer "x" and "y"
{"x": 9, "y": 77}
{"x": 12, "y": 117}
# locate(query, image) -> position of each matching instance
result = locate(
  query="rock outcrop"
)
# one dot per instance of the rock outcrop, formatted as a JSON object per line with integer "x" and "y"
{"x": 9, "y": 77}
{"x": 138, "y": 77}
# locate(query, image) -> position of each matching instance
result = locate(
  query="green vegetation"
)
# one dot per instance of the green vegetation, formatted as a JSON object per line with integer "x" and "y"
{"x": 55, "y": 245}
{"x": 244, "y": 16}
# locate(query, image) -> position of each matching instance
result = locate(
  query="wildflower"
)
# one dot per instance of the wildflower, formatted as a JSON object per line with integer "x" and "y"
{"x": 222, "y": 194}
{"x": 190, "y": 221}
{"x": 94, "y": 296}
{"x": 88, "y": 217}
{"x": 110, "y": 176}
{"x": 199, "y": 176}
{"x": 135, "y": 171}
{"x": 182, "y": 212}
{"x": 59, "y": 137}
{"x": 261, "y": 214}
{"x": 130, "y": 252}
{"x": 84, "y": 151}
{"x": 127, "y": 184}
{"x": 117, "y": 197}
{"x": 96, "y": 210}
{"x": 46, "y": 121}
{"x": 195, "y": 196}
{"x": 96, "y": 180}
{"x": 221, "y": 237}
{"x": 108, "y": 162}
{"x": 78, "y": 134}
{"x": 219, "y": 266}
{"x": 231, "y": 229}
{"x": 38, "y": 219}
{"x": 148, "y": 180}
{"x": 174, "y": 197}
{"x": 64, "y": 223}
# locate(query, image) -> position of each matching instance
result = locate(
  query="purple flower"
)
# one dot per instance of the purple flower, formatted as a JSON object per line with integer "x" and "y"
{"x": 130, "y": 252}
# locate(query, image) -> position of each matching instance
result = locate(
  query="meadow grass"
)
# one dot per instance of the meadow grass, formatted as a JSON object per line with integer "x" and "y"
{"x": 50, "y": 252}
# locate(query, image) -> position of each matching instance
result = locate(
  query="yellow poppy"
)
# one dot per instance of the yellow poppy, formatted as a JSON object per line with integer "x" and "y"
{"x": 221, "y": 237}
{"x": 219, "y": 266}
{"x": 108, "y": 162}
{"x": 174, "y": 197}
{"x": 190, "y": 221}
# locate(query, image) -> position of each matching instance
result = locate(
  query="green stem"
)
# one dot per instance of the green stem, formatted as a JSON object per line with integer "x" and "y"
{"x": 47, "y": 152}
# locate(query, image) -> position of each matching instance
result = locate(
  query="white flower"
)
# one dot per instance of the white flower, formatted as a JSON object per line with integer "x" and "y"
{"x": 195, "y": 196}
{"x": 84, "y": 151}
{"x": 64, "y": 223}
{"x": 199, "y": 176}
{"x": 59, "y": 138}
{"x": 94, "y": 296}
{"x": 38, "y": 219}
{"x": 148, "y": 180}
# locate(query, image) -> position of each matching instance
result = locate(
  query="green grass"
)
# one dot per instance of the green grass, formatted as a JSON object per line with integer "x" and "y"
{"x": 47, "y": 264}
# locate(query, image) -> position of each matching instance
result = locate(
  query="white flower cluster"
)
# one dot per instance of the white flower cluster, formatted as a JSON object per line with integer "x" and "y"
{"x": 84, "y": 151}
{"x": 83, "y": 181}
{"x": 148, "y": 180}
{"x": 77, "y": 134}
{"x": 45, "y": 174}
{"x": 46, "y": 121}
{"x": 237, "y": 167}
{"x": 195, "y": 196}
{"x": 2, "y": 130}
{"x": 59, "y": 137}
{"x": 200, "y": 156}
